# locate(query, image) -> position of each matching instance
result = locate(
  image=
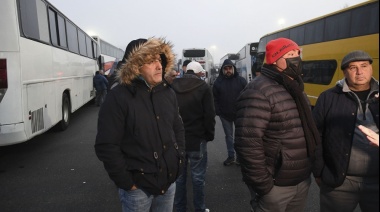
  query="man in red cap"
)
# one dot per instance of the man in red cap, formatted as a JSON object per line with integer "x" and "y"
{"x": 275, "y": 135}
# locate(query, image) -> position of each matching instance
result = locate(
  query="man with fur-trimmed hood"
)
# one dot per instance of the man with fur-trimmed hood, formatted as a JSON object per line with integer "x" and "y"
{"x": 140, "y": 135}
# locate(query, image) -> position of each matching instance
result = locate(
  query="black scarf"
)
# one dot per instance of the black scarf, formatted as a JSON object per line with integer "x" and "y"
{"x": 295, "y": 88}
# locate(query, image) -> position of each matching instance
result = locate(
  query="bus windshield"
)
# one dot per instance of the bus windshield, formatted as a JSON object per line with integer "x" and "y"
{"x": 194, "y": 53}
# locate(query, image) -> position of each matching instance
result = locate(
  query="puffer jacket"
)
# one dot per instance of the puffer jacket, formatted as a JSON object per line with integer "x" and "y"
{"x": 335, "y": 115}
{"x": 140, "y": 137}
{"x": 269, "y": 138}
{"x": 225, "y": 91}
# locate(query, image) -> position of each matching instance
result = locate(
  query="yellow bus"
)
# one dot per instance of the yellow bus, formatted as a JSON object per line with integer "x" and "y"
{"x": 325, "y": 40}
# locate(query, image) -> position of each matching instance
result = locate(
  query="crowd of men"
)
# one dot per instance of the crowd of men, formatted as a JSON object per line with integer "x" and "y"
{"x": 270, "y": 129}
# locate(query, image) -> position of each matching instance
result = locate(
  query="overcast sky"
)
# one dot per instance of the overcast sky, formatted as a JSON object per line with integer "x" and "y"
{"x": 219, "y": 25}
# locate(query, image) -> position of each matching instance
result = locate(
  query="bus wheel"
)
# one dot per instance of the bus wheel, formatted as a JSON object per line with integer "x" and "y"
{"x": 64, "y": 123}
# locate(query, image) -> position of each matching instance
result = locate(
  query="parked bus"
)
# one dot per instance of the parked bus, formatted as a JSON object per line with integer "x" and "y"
{"x": 233, "y": 57}
{"x": 246, "y": 61}
{"x": 203, "y": 57}
{"x": 108, "y": 55}
{"x": 47, "y": 64}
{"x": 327, "y": 39}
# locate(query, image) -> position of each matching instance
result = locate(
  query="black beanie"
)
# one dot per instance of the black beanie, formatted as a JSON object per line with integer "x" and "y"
{"x": 186, "y": 62}
{"x": 132, "y": 45}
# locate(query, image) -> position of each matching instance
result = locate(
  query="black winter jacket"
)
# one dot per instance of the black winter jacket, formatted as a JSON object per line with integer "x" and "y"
{"x": 196, "y": 106}
{"x": 335, "y": 115}
{"x": 139, "y": 131}
{"x": 226, "y": 90}
{"x": 269, "y": 138}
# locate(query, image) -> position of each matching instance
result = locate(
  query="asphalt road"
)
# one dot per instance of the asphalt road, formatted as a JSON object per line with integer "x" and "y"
{"x": 59, "y": 171}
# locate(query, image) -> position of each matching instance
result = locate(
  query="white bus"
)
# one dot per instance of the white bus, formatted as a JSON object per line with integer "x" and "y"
{"x": 108, "y": 55}
{"x": 203, "y": 57}
{"x": 233, "y": 57}
{"x": 47, "y": 64}
{"x": 247, "y": 60}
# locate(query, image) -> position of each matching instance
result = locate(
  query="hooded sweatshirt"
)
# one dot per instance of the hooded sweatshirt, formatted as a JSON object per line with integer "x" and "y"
{"x": 196, "y": 107}
{"x": 226, "y": 90}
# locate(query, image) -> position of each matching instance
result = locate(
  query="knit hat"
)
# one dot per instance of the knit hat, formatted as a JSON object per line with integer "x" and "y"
{"x": 142, "y": 51}
{"x": 275, "y": 49}
{"x": 196, "y": 67}
{"x": 186, "y": 62}
{"x": 132, "y": 45}
{"x": 355, "y": 56}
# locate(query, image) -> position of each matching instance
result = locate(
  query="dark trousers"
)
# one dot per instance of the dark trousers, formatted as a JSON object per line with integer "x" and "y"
{"x": 346, "y": 197}
{"x": 100, "y": 96}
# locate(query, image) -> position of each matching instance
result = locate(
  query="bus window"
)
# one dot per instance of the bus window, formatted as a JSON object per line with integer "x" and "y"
{"x": 297, "y": 34}
{"x": 337, "y": 26}
{"x": 34, "y": 21}
{"x": 72, "y": 37}
{"x": 53, "y": 27}
{"x": 62, "y": 31}
{"x": 314, "y": 32}
{"x": 82, "y": 43}
{"x": 318, "y": 72}
{"x": 90, "y": 52}
{"x": 368, "y": 15}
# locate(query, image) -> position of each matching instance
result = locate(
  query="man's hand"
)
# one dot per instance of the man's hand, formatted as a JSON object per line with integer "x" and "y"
{"x": 133, "y": 188}
{"x": 318, "y": 180}
{"x": 371, "y": 135}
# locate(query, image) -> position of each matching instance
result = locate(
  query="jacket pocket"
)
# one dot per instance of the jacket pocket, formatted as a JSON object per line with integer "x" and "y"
{"x": 147, "y": 180}
{"x": 174, "y": 159}
{"x": 278, "y": 162}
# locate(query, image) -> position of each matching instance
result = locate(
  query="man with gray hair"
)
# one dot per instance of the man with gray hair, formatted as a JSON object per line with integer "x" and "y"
{"x": 140, "y": 137}
{"x": 347, "y": 165}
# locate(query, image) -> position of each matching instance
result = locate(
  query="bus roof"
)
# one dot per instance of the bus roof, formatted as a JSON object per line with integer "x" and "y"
{"x": 323, "y": 16}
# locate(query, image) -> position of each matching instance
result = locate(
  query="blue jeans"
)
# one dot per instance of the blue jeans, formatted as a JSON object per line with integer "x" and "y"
{"x": 139, "y": 201}
{"x": 228, "y": 127}
{"x": 198, "y": 166}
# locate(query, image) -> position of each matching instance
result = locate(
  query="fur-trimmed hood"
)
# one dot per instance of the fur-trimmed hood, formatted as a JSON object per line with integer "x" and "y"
{"x": 141, "y": 51}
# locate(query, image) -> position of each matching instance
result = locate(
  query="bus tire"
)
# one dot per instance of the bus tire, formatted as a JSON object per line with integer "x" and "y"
{"x": 66, "y": 112}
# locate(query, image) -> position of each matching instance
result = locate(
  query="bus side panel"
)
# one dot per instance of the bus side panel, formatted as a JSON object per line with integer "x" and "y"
{"x": 35, "y": 99}
{"x": 49, "y": 107}
{"x": 243, "y": 64}
{"x": 90, "y": 66}
{"x": 36, "y": 66}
